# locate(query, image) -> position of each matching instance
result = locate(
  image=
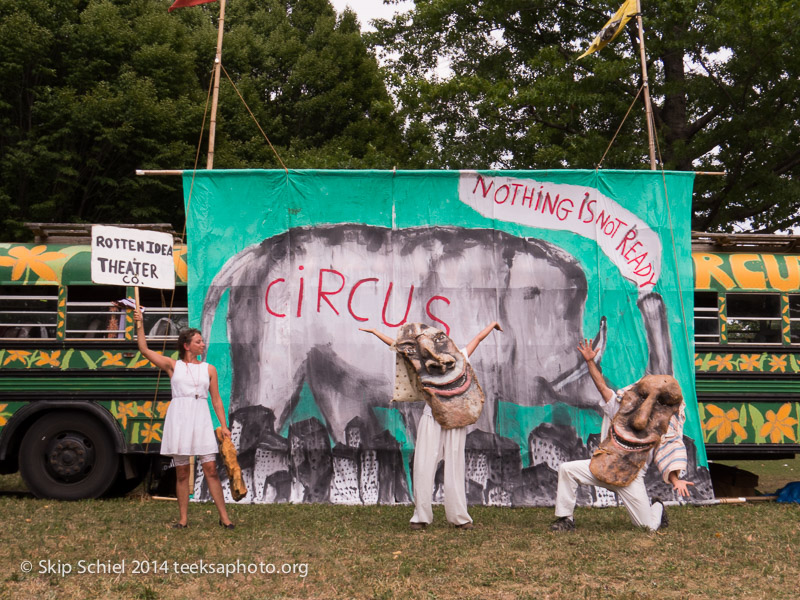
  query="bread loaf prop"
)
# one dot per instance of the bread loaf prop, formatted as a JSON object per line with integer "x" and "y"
{"x": 228, "y": 452}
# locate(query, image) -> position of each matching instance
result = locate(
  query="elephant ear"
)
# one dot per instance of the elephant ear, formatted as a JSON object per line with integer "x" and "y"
{"x": 222, "y": 282}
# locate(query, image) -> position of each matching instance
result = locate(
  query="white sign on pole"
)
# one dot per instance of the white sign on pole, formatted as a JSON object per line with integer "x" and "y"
{"x": 122, "y": 256}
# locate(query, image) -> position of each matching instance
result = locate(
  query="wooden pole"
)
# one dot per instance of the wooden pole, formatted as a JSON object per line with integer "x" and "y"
{"x": 743, "y": 499}
{"x": 212, "y": 129}
{"x": 147, "y": 172}
{"x": 191, "y": 459}
{"x": 165, "y": 172}
{"x": 648, "y": 107}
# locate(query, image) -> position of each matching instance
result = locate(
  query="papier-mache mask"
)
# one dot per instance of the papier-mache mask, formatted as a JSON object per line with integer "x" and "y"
{"x": 431, "y": 363}
{"x": 642, "y": 419}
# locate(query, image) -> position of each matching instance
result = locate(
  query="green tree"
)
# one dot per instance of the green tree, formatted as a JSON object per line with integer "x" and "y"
{"x": 724, "y": 77}
{"x": 312, "y": 85}
{"x": 91, "y": 90}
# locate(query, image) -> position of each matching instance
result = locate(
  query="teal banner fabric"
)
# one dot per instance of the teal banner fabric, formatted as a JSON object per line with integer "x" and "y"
{"x": 286, "y": 268}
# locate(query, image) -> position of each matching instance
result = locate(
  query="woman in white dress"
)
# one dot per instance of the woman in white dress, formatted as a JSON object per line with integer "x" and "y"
{"x": 188, "y": 430}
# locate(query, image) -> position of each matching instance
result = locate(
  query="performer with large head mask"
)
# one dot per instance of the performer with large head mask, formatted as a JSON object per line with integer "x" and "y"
{"x": 432, "y": 368}
{"x": 642, "y": 422}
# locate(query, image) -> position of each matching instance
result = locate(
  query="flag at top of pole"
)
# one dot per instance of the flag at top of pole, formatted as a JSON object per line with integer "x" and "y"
{"x": 182, "y": 3}
{"x": 613, "y": 28}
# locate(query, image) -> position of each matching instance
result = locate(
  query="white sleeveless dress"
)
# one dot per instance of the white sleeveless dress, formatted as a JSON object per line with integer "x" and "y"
{"x": 188, "y": 430}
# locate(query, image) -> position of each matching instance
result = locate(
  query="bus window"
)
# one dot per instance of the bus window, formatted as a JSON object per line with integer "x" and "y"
{"x": 794, "y": 317}
{"x": 754, "y": 318}
{"x": 90, "y": 313}
{"x": 165, "y": 315}
{"x": 29, "y": 311}
{"x": 706, "y": 318}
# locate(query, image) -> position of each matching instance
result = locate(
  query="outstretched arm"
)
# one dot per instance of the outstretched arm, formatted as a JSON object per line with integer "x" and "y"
{"x": 382, "y": 337}
{"x": 162, "y": 362}
{"x": 588, "y": 353}
{"x": 481, "y": 336}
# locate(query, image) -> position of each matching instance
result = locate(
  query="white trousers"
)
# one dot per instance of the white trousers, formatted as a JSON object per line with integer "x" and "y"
{"x": 434, "y": 444}
{"x": 572, "y": 474}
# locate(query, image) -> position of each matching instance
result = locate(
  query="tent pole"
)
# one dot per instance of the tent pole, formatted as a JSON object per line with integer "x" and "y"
{"x": 647, "y": 105}
{"x": 212, "y": 129}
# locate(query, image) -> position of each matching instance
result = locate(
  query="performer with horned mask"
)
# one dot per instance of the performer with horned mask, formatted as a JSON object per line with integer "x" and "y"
{"x": 431, "y": 367}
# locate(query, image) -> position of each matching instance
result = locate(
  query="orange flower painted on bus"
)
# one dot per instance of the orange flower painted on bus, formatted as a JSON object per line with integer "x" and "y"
{"x": 112, "y": 360}
{"x": 750, "y": 363}
{"x": 141, "y": 363}
{"x": 146, "y": 409}
{"x": 779, "y": 425}
{"x": 35, "y": 259}
{"x": 777, "y": 363}
{"x": 161, "y": 409}
{"x": 151, "y": 432}
{"x": 4, "y": 414}
{"x": 125, "y": 410}
{"x": 50, "y": 358}
{"x": 724, "y": 422}
{"x": 181, "y": 270}
{"x": 722, "y": 362}
{"x": 17, "y": 355}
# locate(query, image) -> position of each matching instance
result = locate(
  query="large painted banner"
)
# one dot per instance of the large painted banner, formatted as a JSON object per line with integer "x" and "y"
{"x": 285, "y": 268}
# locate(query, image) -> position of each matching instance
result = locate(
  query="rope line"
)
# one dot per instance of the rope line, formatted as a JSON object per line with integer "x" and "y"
{"x": 669, "y": 217}
{"x": 619, "y": 128}
{"x": 690, "y": 366}
{"x": 254, "y": 119}
{"x": 183, "y": 241}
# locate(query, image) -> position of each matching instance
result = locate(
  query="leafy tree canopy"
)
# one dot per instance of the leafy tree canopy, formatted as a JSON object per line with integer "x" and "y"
{"x": 496, "y": 83}
{"x": 91, "y": 90}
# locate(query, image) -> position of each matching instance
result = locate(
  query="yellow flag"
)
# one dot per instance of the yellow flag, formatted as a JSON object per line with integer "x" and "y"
{"x": 613, "y": 28}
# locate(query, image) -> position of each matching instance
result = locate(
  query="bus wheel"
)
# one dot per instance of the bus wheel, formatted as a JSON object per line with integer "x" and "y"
{"x": 67, "y": 456}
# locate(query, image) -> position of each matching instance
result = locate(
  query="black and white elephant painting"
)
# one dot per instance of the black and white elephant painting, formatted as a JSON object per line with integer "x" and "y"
{"x": 310, "y": 395}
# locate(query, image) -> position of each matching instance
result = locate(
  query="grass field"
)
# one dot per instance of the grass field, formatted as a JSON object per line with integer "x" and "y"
{"x": 717, "y": 552}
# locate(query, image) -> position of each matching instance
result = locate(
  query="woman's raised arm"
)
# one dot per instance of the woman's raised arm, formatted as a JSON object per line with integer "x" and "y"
{"x": 162, "y": 362}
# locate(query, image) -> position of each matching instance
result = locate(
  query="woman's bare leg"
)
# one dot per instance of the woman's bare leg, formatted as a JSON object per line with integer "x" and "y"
{"x": 182, "y": 492}
{"x": 215, "y": 489}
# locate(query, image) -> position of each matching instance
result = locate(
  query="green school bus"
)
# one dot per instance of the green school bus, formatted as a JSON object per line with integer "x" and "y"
{"x": 81, "y": 411}
{"x": 747, "y": 344}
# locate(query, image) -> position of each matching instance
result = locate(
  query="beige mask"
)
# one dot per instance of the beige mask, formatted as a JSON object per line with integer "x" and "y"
{"x": 643, "y": 417}
{"x": 441, "y": 373}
